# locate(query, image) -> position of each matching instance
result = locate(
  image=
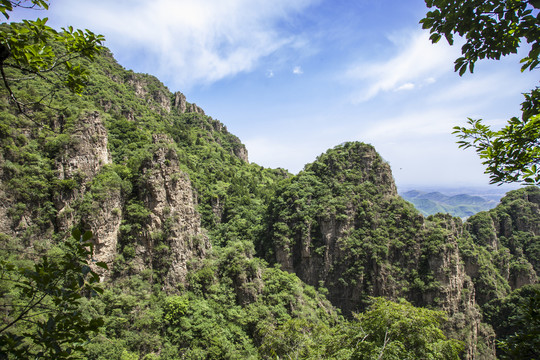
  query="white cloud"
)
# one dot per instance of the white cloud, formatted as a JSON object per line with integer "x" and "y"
{"x": 406, "y": 86}
{"x": 297, "y": 70}
{"x": 269, "y": 74}
{"x": 417, "y": 62}
{"x": 414, "y": 125}
{"x": 189, "y": 41}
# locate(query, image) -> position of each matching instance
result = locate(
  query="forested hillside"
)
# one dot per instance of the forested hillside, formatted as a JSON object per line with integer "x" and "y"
{"x": 203, "y": 255}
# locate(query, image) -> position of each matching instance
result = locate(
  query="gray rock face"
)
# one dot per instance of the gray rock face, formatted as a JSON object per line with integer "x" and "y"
{"x": 173, "y": 223}
{"x": 241, "y": 152}
{"x": 157, "y": 100}
{"x": 87, "y": 152}
{"x": 193, "y": 108}
{"x": 180, "y": 102}
{"x": 171, "y": 232}
{"x": 374, "y": 244}
{"x": 83, "y": 159}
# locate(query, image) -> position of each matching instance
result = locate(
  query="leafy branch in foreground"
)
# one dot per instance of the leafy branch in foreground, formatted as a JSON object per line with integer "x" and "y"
{"x": 511, "y": 154}
{"x": 41, "y": 304}
{"x": 491, "y": 30}
{"x": 31, "y": 49}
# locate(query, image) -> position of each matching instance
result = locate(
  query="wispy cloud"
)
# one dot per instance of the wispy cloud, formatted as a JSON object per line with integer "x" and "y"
{"x": 196, "y": 41}
{"x": 417, "y": 63}
{"x": 406, "y": 86}
{"x": 297, "y": 70}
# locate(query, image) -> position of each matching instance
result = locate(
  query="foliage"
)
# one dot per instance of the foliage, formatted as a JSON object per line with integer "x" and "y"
{"x": 33, "y": 48}
{"x": 233, "y": 304}
{"x": 42, "y": 317}
{"x": 398, "y": 330}
{"x": 493, "y": 29}
{"x": 517, "y": 323}
{"x": 511, "y": 154}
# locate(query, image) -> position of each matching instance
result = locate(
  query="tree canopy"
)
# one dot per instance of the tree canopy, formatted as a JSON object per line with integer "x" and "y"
{"x": 32, "y": 49}
{"x": 491, "y": 30}
{"x": 41, "y": 302}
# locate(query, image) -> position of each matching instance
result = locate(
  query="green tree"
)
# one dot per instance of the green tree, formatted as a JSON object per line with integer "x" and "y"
{"x": 41, "y": 303}
{"x": 525, "y": 342}
{"x": 32, "y": 49}
{"x": 398, "y": 330}
{"x": 493, "y": 29}
{"x": 516, "y": 320}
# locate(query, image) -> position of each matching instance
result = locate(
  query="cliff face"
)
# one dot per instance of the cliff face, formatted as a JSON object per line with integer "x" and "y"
{"x": 340, "y": 224}
{"x": 142, "y": 215}
{"x": 80, "y": 161}
{"x": 157, "y": 181}
{"x": 502, "y": 255}
{"x": 172, "y": 234}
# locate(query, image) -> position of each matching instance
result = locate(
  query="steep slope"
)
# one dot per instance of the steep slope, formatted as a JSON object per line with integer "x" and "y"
{"x": 183, "y": 221}
{"x": 340, "y": 224}
{"x": 504, "y": 253}
{"x": 137, "y": 164}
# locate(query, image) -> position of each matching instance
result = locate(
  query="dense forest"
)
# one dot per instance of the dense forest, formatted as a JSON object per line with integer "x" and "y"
{"x": 199, "y": 254}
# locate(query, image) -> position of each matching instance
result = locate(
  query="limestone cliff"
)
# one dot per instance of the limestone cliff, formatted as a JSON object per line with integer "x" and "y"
{"x": 81, "y": 160}
{"x": 340, "y": 224}
{"x": 87, "y": 191}
{"x": 172, "y": 234}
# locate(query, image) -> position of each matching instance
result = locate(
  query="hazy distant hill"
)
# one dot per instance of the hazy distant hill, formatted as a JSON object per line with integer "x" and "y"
{"x": 461, "y": 205}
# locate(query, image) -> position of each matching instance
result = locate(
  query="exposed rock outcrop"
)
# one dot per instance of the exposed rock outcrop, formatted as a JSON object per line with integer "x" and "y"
{"x": 341, "y": 224}
{"x": 241, "y": 152}
{"x": 156, "y": 96}
{"x": 172, "y": 236}
{"x": 180, "y": 102}
{"x": 183, "y": 106}
{"x": 87, "y": 152}
{"x": 82, "y": 160}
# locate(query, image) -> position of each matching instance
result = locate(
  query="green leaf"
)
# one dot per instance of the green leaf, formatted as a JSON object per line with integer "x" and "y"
{"x": 87, "y": 236}
{"x": 76, "y": 233}
{"x": 103, "y": 265}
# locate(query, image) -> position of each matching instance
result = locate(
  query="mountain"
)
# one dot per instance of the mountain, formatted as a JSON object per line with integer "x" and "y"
{"x": 461, "y": 205}
{"x": 211, "y": 256}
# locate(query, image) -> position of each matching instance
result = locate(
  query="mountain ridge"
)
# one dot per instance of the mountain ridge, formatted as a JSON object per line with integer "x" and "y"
{"x": 198, "y": 239}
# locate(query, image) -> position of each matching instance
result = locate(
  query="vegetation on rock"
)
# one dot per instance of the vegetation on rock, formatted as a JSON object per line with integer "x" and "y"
{"x": 212, "y": 257}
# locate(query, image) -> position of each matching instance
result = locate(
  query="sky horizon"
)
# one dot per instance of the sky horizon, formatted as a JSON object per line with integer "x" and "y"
{"x": 294, "y": 78}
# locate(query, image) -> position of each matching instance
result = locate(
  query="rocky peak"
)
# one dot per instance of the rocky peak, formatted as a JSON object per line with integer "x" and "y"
{"x": 183, "y": 106}
{"x": 355, "y": 162}
{"x": 173, "y": 236}
{"x": 180, "y": 102}
{"x": 151, "y": 90}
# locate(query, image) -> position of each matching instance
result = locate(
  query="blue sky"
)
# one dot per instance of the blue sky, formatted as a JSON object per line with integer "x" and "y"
{"x": 292, "y": 78}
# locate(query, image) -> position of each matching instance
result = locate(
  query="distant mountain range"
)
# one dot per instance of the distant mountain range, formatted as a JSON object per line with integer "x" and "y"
{"x": 461, "y": 205}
